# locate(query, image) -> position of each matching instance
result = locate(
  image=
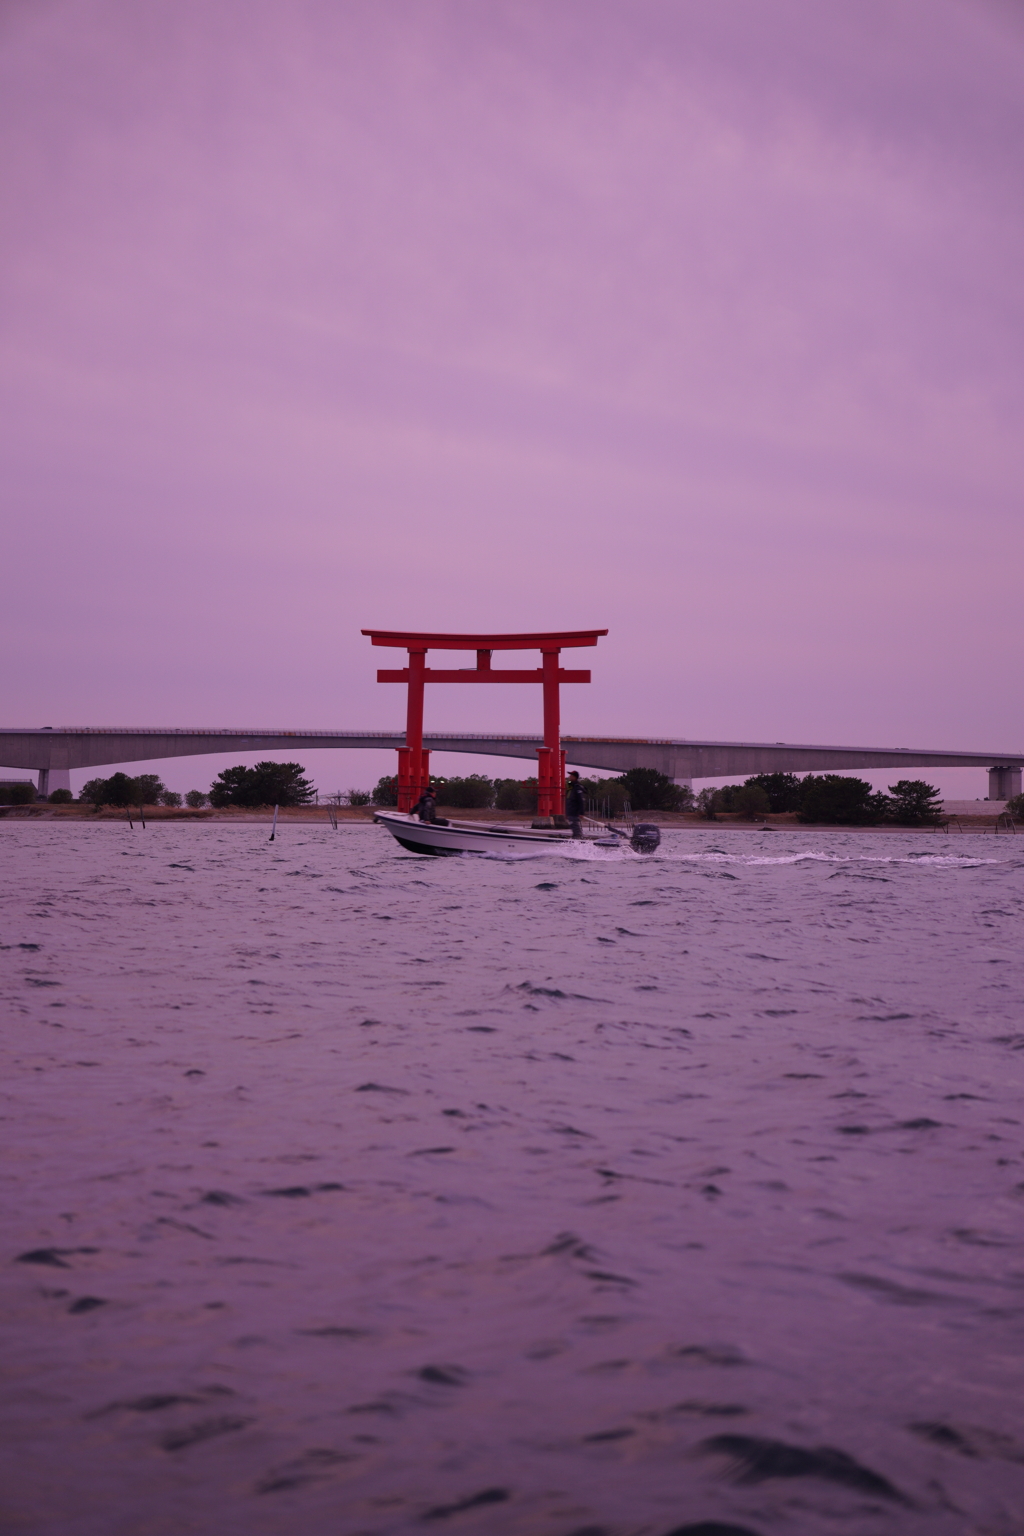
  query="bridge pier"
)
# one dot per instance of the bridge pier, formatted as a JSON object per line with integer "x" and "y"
{"x": 51, "y": 779}
{"x": 1003, "y": 782}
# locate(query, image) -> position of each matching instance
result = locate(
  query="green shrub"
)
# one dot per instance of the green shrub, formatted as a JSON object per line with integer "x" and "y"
{"x": 195, "y": 798}
{"x": 121, "y": 790}
{"x": 782, "y": 789}
{"x": 1016, "y": 806}
{"x": 171, "y": 798}
{"x": 385, "y": 792}
{"x": 359, "y": 797}
{"x": 708, "y": 803}
{"x": 472, "y": 792}
{"x": 148, "y": 790}
{"x": 837, "y": 800}
{"x": 606, "y": 798}
{"x": 751, "y": 801}
{"x": 721, "y": 801}
{"x": 648, "y": 790}
{"x": 21, "y": 792}
{"x": 266, "y": 784}
{"x": 914, "y": 804}
{"x": 516, "y": 795}
{"x": 61, "y": 797}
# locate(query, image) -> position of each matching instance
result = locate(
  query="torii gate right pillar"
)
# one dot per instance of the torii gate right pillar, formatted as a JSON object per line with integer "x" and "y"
{"x": 550, "y": 757}
{"x": 413, "y": 762}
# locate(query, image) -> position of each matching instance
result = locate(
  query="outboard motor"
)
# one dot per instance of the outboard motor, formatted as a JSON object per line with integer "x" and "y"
{"x": 645, "y": 837}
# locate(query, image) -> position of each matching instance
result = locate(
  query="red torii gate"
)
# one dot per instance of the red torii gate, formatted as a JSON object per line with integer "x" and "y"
{"x": 414, "y": 763}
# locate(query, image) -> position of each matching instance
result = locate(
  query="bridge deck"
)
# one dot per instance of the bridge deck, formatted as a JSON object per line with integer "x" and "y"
{"x": 103, "y": 746}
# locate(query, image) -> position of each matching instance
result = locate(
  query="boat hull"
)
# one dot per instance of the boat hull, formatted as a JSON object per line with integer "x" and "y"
{"x": 436, "y": 840}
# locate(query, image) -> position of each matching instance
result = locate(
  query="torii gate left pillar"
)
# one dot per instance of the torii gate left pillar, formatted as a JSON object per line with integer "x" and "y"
{"x": 414, "y": 762}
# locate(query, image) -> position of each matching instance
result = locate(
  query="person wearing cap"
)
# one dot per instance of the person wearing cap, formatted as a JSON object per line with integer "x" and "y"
{"x": 426, "y": 806}
{"x": 575, "y": 805}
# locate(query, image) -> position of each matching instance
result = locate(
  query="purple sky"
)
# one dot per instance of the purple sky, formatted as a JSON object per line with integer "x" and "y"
{"x": 701, "y": 322}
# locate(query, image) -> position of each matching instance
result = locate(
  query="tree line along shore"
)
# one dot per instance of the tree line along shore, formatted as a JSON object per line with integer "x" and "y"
{"x": 827, "y": 799}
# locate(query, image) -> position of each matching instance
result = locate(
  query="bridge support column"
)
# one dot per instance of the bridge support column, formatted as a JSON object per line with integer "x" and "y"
{"x": 56, "y": 774}
{"x": 51, "y": 779}
{"x": 1003, "y": 783}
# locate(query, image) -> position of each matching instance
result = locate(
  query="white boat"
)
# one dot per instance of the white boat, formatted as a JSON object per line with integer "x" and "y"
{"x": 450, "y": 837}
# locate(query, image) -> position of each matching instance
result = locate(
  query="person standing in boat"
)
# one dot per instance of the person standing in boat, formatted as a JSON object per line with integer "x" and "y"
{"x": 575, "y": 805}
{"x": 426, "y": 806}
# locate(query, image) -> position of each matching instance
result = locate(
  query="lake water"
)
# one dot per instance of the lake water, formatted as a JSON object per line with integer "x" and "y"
{"x": 353, "y": 1192}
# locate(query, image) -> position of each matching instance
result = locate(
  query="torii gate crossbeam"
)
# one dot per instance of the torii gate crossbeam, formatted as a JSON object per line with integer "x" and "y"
{"x": 414, "y": 762}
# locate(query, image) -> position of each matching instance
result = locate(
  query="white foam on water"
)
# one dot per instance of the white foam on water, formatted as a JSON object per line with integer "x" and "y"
{"x": 960, "y": 861}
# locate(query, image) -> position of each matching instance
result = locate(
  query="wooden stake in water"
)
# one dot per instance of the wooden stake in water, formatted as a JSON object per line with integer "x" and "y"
{"x": 273, "y": 833}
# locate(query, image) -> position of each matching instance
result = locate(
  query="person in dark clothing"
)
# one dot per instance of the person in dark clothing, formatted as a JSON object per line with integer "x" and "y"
{"x": 426, "y": 806}
{"x": 575, "y": 805}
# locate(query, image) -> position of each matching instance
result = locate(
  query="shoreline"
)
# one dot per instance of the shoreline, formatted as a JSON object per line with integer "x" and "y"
{"x": 363, "y": 815}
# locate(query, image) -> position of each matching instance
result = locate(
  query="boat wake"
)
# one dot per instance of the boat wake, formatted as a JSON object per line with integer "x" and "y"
{"x": 938, "y": 861}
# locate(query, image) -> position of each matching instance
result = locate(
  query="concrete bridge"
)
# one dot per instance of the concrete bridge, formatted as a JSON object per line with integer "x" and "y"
{"x": 53, "y": 753}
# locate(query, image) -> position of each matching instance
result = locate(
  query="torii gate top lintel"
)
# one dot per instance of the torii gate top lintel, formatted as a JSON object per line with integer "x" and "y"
{"x": 408, "y": 641}
{"x": 413, "y": 762}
